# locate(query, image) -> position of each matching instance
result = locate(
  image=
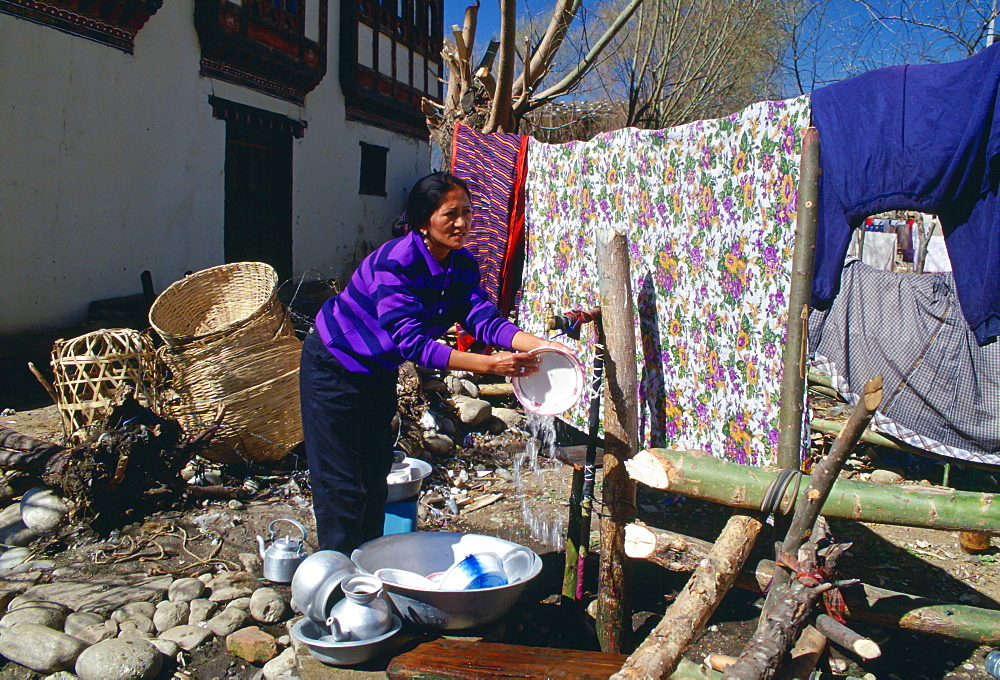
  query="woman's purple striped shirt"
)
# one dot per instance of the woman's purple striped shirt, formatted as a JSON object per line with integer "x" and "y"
{"x": 400, "y": 300}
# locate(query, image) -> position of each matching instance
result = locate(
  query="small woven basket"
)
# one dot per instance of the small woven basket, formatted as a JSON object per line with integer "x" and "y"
{"x": 237, "y": 302}
{"x": 89, "y": 370}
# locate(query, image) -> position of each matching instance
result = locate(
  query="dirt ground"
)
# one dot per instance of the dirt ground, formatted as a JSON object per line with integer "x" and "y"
{"x": 917, "y": 561}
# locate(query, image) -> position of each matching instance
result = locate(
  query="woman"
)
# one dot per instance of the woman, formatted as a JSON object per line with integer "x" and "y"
{"x": 401, "y": 298}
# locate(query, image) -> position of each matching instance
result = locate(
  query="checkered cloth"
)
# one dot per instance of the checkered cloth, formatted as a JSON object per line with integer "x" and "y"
{"x": 941, "y": 390}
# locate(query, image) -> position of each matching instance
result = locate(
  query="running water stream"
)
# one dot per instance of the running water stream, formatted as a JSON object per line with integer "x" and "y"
{"x": 546, "y": 526}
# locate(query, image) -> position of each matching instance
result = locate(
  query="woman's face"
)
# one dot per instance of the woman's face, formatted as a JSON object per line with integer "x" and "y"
{"x": 448, "y": 226}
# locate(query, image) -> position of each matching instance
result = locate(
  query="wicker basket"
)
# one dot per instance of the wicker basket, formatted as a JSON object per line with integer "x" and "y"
{"x": 237, "y": 302}
{"x": 90, "y": 369}
{"x": 259, "y": 386}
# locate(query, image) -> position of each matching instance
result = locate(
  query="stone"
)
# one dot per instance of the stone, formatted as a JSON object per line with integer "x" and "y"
{"x": 206, "y": 578}
{"x": 284, "y": 640}
{"x": 252, "y": 563}
{"x": 128, "y": 629}
{"x": 201, "y": 610}
{"x": 32, "y": 565}
{"x": 42, "y": 509}
{"x": 886, "y": 476}
{"x": 227, "y": 621}
{"x": 134, "y": 609}
{"x": 230, "y": 585}
{"x": 185, "y": 590}
{"x": 240, "y": 603}
{"x": 187, "y": 637}
{"x": 77, "y": 621}
{"x": 252, "y": 644}
{"x": 167, "y": 648}
{"x": 141, "y": 623}
{"x": 98, "y": 632}
{"x": 17, "y": 533}
{"x": 13, "y": 557}
{"x": 41, "y": 649}
{"x": 470, "y": 388}
{"x": 509, "y": 416}
{"x": 170, "y": 614}
{"x": 40, "y": 612}
{"x": 279, "y": 665}
{"x": 61, "y": 675}
{"x": 438, "y": 444}
{"x": 267, "y": 605}
{"x": 454, "y": 384}
{"x": 119, "y": 660}
{"x": 104, "y": 595}
{"x": 471, "y": 411}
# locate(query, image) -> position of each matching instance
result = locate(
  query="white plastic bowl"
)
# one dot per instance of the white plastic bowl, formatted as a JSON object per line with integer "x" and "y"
{"x": 555, "y": 387}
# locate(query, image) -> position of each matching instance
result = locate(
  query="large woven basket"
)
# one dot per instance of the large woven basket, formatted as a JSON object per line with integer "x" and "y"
{"x": 259, "y": 385}
{"x": 237, "y": 302}
{"x": 90, "y": 369}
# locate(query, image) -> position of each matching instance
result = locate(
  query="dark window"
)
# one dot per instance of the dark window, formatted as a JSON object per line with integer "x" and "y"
{"x": 373, "y": 160}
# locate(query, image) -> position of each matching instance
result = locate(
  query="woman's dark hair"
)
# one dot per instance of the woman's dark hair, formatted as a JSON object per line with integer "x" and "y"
{"x": 427, "y": 194}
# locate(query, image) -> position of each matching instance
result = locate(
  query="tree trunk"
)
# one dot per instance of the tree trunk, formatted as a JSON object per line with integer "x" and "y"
{"x": 658, "y": 655}
{"x": 620, "y": 434}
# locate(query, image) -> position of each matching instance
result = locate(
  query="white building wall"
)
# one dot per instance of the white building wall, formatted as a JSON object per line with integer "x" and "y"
{"x": 111, "y": 164}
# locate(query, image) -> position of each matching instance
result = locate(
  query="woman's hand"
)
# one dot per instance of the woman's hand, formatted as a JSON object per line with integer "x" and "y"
{"x": 514, "y": 364}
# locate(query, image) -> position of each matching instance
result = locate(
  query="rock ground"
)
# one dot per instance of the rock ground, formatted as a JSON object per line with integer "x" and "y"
{"x": 918, "y": 561}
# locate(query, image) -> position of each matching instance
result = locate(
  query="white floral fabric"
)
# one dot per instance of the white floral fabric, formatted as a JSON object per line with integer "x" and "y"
{"x": 709, "y": 210}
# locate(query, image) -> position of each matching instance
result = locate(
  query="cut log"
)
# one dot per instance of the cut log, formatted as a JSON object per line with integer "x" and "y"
{"x": 659, "y": 654}
{"x": 847, "y": 638}
{"x": 670, "y": 550}
{"x": 698, "y": 475}
{"x": 621, "y": 431}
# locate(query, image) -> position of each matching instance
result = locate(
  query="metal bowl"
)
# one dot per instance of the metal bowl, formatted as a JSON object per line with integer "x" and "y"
{"x": 314, "y": 636}
{"x": 409, "y": 489}
{"x": 316, "y": 580}
{"x": 430, "y": 552}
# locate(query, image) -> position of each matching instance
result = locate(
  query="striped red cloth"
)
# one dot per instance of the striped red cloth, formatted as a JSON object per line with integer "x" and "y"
{"x": 493, "y": 165}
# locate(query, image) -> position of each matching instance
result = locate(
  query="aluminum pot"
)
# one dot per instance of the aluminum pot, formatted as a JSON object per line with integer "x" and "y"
{"x": 316, "y": 638}
{"x": 314, "y": 585}
{"x": 403, "y": 491}
{"x": 429, "y": 552}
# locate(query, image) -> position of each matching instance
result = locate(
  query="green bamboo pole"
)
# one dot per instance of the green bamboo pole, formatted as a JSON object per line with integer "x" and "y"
{"x": 573, "y": 534}
{"x": 698, "y": 475}
{"x": 793, "y": 377}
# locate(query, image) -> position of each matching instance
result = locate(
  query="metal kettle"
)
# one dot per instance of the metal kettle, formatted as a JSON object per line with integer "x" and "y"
{"x": 284, "y": 555}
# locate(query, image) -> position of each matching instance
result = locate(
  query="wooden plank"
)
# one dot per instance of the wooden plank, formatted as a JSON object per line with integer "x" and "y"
{"x": 465, "y": 660}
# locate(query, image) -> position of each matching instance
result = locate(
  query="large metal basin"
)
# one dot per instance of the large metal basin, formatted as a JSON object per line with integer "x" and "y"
{"x": 430, "y": 552}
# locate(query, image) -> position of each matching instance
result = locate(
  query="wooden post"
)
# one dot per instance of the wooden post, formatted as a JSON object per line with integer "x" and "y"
{"x": 659, "y": 654}
{"x": 621, "y": 427}
{"x": 793, "y": 377}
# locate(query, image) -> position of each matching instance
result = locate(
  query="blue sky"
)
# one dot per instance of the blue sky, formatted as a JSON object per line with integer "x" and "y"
{"x": 488, "y": 22}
